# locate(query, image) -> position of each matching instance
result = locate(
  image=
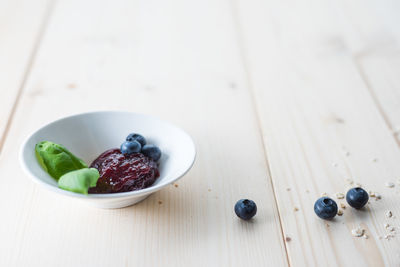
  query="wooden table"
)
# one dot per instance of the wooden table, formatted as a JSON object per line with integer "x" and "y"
{"x": 286, "y": 100}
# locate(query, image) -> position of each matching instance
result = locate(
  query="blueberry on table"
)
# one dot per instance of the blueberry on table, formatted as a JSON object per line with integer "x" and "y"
{"x": 136, "y": 137}
{"x": 357, "y": 197}
{"x": 245, "y": 209}
{"x": 325, "y": 208}
{"x": 152, "y": 152}
{"x": 130, "y": 147}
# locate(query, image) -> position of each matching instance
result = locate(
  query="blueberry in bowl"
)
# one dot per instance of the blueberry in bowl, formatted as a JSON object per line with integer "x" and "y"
{"x": 152, "y": 152}
{"x": 130, "y": 147}
{"x": 136, "y": 137}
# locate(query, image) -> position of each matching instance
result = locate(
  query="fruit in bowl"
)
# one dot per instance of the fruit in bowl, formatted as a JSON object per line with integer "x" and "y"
{"x": 131, "y": 167}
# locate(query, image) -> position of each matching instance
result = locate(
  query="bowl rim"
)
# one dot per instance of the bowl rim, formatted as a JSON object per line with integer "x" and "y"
{"x": 136, "y": 193}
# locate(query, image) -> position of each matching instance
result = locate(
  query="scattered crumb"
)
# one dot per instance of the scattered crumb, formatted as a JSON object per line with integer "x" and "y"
{"x": 176, "y": 185}
{"x": 159, "y": 202}
{"x": 296, "y": 209}
{"x": 358, "y": 232}
{"x": 388, "y": 236}
{"x": 209, "y": 190}
{"x": 327, "y": 225}
{"x": 342, "y": 205}
{"x": 71, "y": 86}
{"x": 389, "y": 214}
{"x": 149, "y": 88}
{"x": 349, "y": 181}
{"x": 288, "y": 189}
{"x": 339, "y": 195}
{"x": 358, "y": 185}
{"x": 340, "y": 212}
{"x": 339, "y": 120}
{"x": 307, "y": 191}
{"x": 375, "y": 195}
{"x": 389, "y": 227}
{"x": 389, "y": 184}
{"x": 324, "y": 194}
{"x": 374, "y": 160}
{"x": 288, "y": 239}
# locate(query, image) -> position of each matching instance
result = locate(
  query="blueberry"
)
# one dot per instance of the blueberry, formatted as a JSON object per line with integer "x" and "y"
{"x": 130, "y": 147}
{"x": 136, "y": 137}
{"x": 325, "y": 208}
{"x": 152, "y": 152}
{"x": 245, "y": 209}
{"x": 357, "y": 197}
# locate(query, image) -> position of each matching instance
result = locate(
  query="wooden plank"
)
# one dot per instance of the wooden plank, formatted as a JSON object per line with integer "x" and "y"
{"x": 377, "y": 53}
{"x": 174, "y": 59}
{"x": 20, "y": 27}
{"x": 380, "y": 71}
{"x": 320, "y": 127}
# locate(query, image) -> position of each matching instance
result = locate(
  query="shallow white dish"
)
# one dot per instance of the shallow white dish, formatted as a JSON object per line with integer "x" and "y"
{"x": 88, "y": 135}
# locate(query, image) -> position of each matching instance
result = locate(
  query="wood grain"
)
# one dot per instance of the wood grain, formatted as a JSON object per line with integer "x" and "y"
{"x": 179, "y": 61}
{"x": 320, "y": 127}
{"x": 377, "y": 54}
{"x": 20, "y": 28}
{"x": 286, "y": 100}
{"x": 380, "y": 72}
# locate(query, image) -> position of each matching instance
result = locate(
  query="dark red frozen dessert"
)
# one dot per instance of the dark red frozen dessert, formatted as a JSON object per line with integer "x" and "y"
{"x": 123, "y": 173}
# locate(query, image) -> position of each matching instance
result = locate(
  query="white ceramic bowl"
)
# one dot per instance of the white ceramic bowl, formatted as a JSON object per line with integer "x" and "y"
{"x": 88, "y": 135}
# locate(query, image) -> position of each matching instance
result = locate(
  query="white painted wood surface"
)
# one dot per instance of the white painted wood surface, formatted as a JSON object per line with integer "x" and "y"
{"x": 328, "y": 131}
{"x": 285, "y": 100}
{"x": 20, "y": 31}
{"x": 117, "y": 57}
{"x": 377, "y": 55}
